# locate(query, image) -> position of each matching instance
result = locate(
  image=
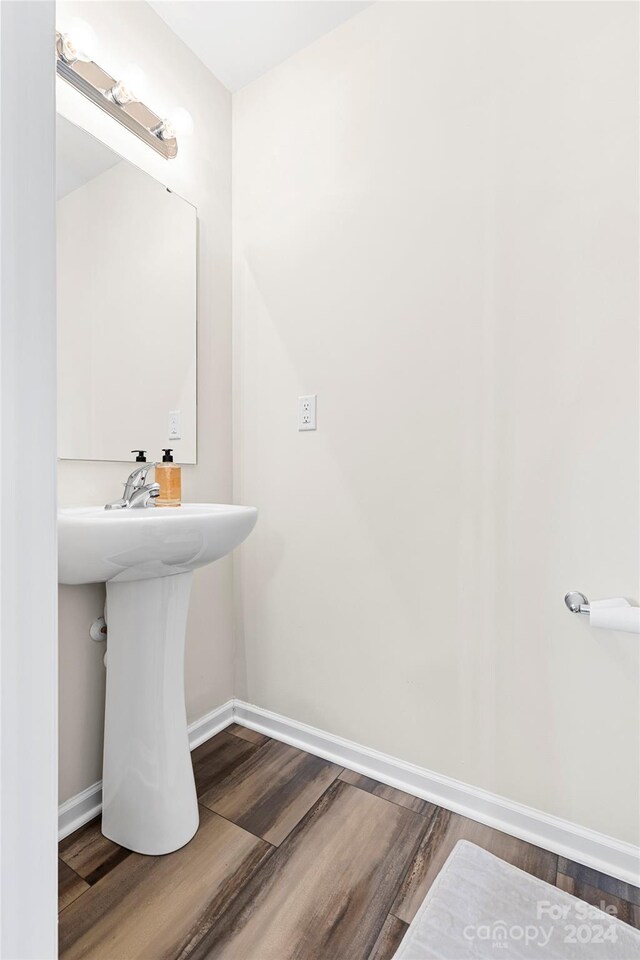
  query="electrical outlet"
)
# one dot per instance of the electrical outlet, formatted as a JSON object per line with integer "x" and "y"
{"x": 307, "y": 412}
{"x": 174, "y": 425}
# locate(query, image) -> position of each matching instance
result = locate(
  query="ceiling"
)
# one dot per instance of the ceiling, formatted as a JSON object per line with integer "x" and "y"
{"x": 239, "y": 40}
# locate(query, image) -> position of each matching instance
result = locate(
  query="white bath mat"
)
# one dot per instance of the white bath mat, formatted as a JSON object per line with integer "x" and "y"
{"x": 481, "y": 908}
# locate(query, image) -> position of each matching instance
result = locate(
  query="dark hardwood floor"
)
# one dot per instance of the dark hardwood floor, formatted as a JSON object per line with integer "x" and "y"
{"x": 295, "y": 859}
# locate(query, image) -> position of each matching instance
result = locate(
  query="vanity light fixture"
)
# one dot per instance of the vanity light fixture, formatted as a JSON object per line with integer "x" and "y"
{"x": 117, "y": 98}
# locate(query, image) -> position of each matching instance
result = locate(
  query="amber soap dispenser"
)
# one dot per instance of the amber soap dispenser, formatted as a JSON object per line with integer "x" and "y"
{"x": 169, "y": 476}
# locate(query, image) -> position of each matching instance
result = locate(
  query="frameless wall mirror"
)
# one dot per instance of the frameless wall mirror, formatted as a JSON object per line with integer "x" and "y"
{"x": 126, "y": 307}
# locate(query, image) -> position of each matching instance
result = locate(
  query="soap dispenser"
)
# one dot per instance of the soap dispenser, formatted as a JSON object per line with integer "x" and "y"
{"x": 169, "y": 476}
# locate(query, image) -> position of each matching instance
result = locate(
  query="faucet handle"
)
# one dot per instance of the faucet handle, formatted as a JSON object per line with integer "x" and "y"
{"x": 138, "y": 476}
{"x": 144, "y": 496}
{"x": 135, "y": 480}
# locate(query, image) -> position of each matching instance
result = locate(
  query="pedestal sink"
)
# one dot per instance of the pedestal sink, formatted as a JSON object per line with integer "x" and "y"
{"x": 146, "y": 558}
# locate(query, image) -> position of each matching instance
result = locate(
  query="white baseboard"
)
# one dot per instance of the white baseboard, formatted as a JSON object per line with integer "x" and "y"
{"x": 212, "y": 723}
{"x": 77, "y": 811}
{"x": 595, "y": 850}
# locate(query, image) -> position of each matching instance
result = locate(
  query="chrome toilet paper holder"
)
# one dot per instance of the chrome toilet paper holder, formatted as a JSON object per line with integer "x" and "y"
{"x": 577, "y": 602}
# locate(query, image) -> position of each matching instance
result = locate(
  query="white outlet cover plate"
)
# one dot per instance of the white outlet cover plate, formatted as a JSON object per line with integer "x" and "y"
{"x": 175, "y": 430}
{"x": 307, "y": 412}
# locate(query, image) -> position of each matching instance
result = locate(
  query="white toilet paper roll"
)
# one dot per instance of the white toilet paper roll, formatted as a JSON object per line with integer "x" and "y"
{"x": 615, "y": 614}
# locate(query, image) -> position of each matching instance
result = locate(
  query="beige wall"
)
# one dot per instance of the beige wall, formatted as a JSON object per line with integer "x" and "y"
{"x": 132, "y": 32}
{"x": 435, "y": 229}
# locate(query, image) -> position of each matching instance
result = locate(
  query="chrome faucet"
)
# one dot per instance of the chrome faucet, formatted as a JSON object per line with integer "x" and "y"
{"x": 137, "y": 493}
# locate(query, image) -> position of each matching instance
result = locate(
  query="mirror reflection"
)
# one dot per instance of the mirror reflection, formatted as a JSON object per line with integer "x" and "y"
{"x": 126, "y": 307}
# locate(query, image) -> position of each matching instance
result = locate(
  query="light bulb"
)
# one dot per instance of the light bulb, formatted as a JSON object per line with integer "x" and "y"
{"x": 83, "y": 38}
{"x": 121, "y": 94}
{"x": 165, "y": 131}
{"x": 181, "y": 121}
{"x": 67, "y": 49}
{"x": 134, "y": 78}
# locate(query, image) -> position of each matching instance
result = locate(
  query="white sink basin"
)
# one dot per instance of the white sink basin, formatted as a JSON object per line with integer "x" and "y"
{"x": 147, "y": 558}
{"x": 96, "y": 545}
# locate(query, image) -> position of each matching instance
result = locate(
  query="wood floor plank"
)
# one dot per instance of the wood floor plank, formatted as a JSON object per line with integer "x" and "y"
{"x": 246, "y": 734}
{"x": 388, "y": 793}
{"x": 326, "y": 892}
{"x": 389, "y": 939}
{"x": 153, "y": 908}
{"x": 271, "y": 791}
{"x": 70, "y": 885}
{"x": 216, "y": 759}
{"x": 89, "y": 853}
{"x": 622, "y": 909}
{"x": 601, "y": 881}
{"x": 443, "y": 832}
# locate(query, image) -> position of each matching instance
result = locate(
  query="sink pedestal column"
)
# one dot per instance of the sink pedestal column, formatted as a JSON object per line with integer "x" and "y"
{"x": 149, "y": 798}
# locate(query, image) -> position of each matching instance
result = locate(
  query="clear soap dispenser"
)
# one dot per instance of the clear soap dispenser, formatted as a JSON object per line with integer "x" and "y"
{"x": 169, "y": 476}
